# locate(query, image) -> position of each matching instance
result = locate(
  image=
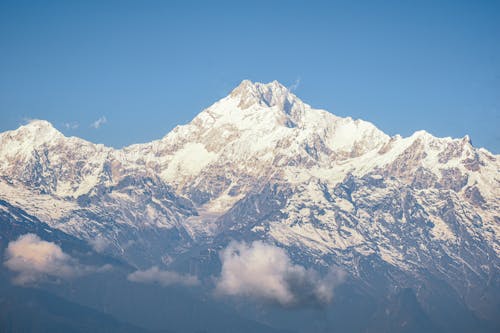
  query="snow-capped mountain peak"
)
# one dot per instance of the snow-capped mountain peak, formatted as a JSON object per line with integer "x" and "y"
{"x": 20, "y": 143}
{"x": 34, "y": 131}
{"x": 272, "y": 94}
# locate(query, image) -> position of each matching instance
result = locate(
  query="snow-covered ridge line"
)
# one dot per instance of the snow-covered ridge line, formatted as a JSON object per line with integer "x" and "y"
{"x": 247, "y": 93}
{"x": 256, "y": 128}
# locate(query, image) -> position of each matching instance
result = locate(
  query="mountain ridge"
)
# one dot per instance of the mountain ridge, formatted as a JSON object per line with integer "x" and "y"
{"x": 255, "y": 86}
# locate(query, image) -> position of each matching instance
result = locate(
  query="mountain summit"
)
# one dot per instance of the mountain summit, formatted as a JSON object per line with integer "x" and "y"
{"x": 35, "y": 131}
{"x": 270, "y": 94}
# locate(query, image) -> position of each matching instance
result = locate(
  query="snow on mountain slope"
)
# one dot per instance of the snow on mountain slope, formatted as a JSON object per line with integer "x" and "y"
{"x": 255, "y": 133}
{"x": 41, "y": 157}
{"x": 262, "y": 122}
{"x": 263, "y": 163}
{"x": 262, "y": 133}
{"x": 82, "y": 188}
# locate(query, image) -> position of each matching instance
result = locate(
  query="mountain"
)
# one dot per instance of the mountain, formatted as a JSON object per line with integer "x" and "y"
{"x": 31, "y": 310}
{"x": 419, "y": 213}
{"x": 83, "y": 189}
{"x": 102, "y": 299}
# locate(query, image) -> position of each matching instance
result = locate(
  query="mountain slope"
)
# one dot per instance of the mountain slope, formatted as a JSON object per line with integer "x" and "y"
{"x": 82, "y": 189}
{"x": 31, "y": 310}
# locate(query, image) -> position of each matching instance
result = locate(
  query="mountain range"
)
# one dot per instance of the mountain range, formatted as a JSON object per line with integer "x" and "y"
{"x": 407, "y": 226}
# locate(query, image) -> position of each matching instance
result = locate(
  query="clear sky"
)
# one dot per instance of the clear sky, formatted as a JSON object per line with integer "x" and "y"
{"x": 146, "y": 66}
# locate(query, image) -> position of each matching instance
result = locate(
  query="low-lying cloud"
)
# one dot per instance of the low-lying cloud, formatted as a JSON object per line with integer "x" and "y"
{"x": 163, "y": 278}
{"x": 33, "y": 259}
{"x": 99, "y": 243}
{"x": 266, "y": 272}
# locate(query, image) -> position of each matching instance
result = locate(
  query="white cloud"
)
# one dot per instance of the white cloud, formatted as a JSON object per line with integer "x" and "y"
{"x": 266, "y": 272}
{"x": 164, "y": 278}
{"x": 27, "y": 120}
{"x": 33, "y": 259}
{"x": 99, "y": 243}
{"x": 99, "y": 122}
{"x": 295, "y": 85}
{"x": 71, "y": 125}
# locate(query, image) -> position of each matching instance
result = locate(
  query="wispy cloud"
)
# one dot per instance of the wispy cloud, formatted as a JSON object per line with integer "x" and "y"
{"x": 99, "y": 122}
{"x": 26, "y": 120}
{"x": 71, "y": 125}
{"x": 266, "y": 272}
{"x": 163, "y": 278}
{"x": 295, "y": 85}
{"x": 34, "y": 259}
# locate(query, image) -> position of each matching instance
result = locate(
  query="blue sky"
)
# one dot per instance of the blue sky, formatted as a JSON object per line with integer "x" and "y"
{"x": 143, "y": 67}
